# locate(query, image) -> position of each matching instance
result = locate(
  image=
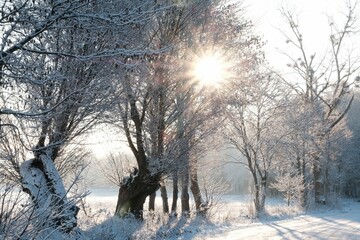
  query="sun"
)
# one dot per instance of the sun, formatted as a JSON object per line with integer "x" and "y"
{"x": 209, "y": 70}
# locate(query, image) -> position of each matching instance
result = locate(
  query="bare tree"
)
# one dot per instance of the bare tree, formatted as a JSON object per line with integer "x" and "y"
{"x": 149, "y": 108}
{"x": 297, "y": 147}
{"x": 253, "y": 130}
{"x": 327, "y": 82}
{"x": 56, "y": 58}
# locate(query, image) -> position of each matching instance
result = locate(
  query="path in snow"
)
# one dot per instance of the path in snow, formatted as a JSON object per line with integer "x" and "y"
{"x": 323, "y": 226}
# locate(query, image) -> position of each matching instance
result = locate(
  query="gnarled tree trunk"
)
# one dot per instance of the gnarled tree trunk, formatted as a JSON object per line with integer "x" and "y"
{"x": 42, "y": 182}
{"x": 133, "y": 192}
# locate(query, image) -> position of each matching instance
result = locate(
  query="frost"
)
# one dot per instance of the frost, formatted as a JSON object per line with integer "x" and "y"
{"x": 43, "y": 183}
{"x": 128, "y": 180}
{"x": 33, "y": 181}
{"x": 231, "y": 219}
{"x": 53, "y": 175}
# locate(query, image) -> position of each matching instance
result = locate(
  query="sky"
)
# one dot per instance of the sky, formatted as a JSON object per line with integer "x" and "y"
{"x": 105, "y": 140}
{"x": 313, "y": 18}
{"x": 267, "y": 20}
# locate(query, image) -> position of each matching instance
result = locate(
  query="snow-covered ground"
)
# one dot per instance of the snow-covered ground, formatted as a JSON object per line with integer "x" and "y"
{"x": 231, "y": 219}
{"x": 334, "y": 224}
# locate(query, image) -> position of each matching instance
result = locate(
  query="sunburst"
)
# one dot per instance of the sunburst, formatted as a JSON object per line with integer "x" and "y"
{"x": 209, "y": 70}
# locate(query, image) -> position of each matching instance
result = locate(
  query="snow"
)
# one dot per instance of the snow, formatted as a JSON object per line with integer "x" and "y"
{"x": 230, "y": 219}
{"x": 48, "y": 194}
{"x": 52, "y": 173}
{"x": 35, "y": 181}
{"x": 343, "y": 224}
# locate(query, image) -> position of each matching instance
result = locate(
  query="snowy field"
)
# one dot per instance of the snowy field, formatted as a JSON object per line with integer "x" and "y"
{"x": 336, "y": 224}
{"x": 231, "y": 218}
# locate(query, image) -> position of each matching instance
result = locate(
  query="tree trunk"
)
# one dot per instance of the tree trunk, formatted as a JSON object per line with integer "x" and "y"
{"x": 327, "y": 186}
{"x": 257, "y": 200}
{"x": 42, "y": 182}
{"x": 152, "y": 201}
{"x": 257, "y": 194}
{"x": 164, "y": 197}
{"x": 185, "y": 206}
{"x": 260, "y": 194}
{"x": 301, "y": 171}
{"x": 263, "y": 192}
{"x": 317, "y": 181}
{"x": 175, "y": 193}
{"x": 195, "y": 189}
{"x": 304, "y": 191}
{"x": 133, "y": 192}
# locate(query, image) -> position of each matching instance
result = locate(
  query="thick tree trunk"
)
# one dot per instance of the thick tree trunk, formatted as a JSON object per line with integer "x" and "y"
{"x": 175, "y": 193}
{"x": 133, "y": 192}
{"x": 185, "y": 206}
{"x": 184, "y": 173}
{"x": 42, "y": 182}
{"x": 195, "y": 189}
{"x": 164, "y": 197}
{"x": 257, "y": 193}
{"x": 259, "y": 201}
{"x": 152, "y": 201}
{"x": 260, "y": 194}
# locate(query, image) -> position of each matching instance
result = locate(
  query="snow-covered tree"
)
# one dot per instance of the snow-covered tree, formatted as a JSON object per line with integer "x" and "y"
{"x": 297, "y": 146}
{"x": 290, "y": 186}
{"x": 149, "y": 102}
{"x": 325, "y": 84}
{"x": 254, "y": 130}
{"x": 349, "y": 166}
{"x": 56, "y": 60}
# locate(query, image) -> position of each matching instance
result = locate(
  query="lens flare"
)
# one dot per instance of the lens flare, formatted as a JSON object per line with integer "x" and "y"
{"x": 209, "y": 70}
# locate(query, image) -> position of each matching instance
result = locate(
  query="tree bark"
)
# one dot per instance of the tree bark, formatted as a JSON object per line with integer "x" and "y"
{"x": 164, "y": 197}
{"x": 133, "y": 192}
{"x": 175, "y": 193}
{"x": 42, "y": 182}
{"x": 304, "y": 193}
{"x": 317, "y": 181}
{"x": 263, "y": 192}
{"x": 152, "y": 201}
{"x": 195, "y": 189}
{"x": 260, "y": 194}
{"x": 305, "y": 187}
{"x": 301, "y": 168}
{"x": 185, "y": 206}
